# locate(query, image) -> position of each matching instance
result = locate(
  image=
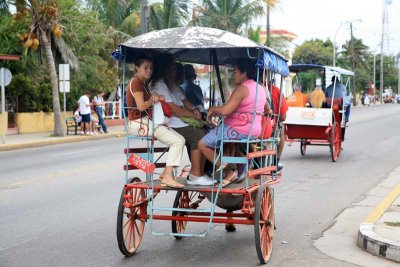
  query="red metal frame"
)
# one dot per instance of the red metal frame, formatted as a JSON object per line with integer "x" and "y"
{"x": 246, "y": 217}
{"x": 313, "y": 134}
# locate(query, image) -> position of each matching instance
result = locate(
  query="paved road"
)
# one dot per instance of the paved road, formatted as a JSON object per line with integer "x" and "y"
{"x": 58, "y": 204}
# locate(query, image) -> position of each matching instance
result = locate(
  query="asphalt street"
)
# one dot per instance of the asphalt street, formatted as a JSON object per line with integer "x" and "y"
{"x": 58, "y": 204}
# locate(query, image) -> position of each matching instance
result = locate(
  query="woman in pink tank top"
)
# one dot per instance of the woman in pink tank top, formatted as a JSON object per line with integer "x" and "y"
{"x": 247, "y": 97}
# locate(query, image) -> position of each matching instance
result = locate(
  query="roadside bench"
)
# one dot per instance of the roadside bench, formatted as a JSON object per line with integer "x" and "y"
{"x": 71, "y": 125}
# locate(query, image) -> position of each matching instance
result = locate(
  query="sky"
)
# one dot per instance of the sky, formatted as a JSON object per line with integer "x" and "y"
{"x": 322, "y": 18}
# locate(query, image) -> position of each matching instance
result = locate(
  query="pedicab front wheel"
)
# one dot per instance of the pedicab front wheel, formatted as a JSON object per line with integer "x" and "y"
{"x": 130, "y": 228}
{"x": 264, "y": 223}
{"x": 303, "y": 146}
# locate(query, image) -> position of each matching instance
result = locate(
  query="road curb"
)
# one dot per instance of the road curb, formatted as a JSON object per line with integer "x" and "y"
{"x": 373, "y": 242}
{"x": 63, "y": 140}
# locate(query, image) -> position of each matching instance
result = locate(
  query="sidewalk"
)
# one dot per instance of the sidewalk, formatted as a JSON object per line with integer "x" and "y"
{"x": 379, "y": 234}
{"x": 21, "y": 141}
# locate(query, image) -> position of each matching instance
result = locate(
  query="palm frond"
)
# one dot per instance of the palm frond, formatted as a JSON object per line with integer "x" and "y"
{"x": 131, "y": 24}
{"x": 66, "y": 53}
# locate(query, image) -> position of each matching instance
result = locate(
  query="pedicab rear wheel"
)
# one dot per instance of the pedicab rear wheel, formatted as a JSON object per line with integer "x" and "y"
{"x": 264, "y": 223}
{"x": 303, "y": 146}
{"x": 129, "y": 228}
{"x": 183, "y": 199}
{"x": 335, "y": 141}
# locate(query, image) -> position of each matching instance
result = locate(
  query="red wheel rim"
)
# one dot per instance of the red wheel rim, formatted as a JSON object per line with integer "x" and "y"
{"x": 184, "y": 202}
{"x": 132, "y": 227}
{"x": 336, "y": 142}
{"x": 266, "y": 224}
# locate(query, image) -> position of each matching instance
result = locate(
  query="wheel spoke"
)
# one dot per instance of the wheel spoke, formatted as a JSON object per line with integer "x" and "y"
{"x": 133, "y": 194}
{"x": 138, "y": 230}
{"x": 127, "y": 237}
{"x": 125, "y": 223}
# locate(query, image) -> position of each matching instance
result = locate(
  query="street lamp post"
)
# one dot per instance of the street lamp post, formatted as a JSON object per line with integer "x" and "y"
{"x": 334, "y": 43}
{"x": 374, "y": 75}
{"x": 334, "y": 38}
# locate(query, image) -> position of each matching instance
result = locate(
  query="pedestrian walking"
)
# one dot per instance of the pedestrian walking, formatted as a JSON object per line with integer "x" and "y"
{"x": 366, "y": 101}
{"x": 99, "y": 105}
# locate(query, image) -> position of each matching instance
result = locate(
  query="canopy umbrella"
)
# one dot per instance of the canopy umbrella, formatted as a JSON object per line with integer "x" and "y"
{"x": 203, "y": 46}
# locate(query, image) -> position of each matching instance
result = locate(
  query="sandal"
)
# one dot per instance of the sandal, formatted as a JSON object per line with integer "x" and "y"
{"x": 172, "y": 184}
{"x": 228, "y": 180}
{"x": 225, "y": 171}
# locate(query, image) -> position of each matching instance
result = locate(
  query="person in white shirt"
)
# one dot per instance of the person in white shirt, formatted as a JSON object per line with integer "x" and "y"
{"x": 84, "y": 108}
{"x": 366, "y": 101}
{"x": 78, "y": 117}
{"x": 164, "y": 82}
{"x": 98, "y": 105}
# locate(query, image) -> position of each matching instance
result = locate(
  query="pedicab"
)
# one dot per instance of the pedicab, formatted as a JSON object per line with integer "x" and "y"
{"x": 319, "y": 126}
{"x": 248, "y": 202}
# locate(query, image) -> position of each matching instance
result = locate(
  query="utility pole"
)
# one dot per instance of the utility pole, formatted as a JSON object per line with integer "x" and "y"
{"x": 143, "y": 16}
{"x": 268, "y": 42}
{"x": 374, "y": 75}
{"x": 381, "y": 67}
{"x": 353, "y": 63}
{"x": 384, "y": 20}
{"x": 398, "y": 77}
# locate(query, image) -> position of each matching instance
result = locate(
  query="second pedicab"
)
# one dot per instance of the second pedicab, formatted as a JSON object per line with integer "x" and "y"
{"x": 249, "y": 202}
{"x": 324, "y": 126}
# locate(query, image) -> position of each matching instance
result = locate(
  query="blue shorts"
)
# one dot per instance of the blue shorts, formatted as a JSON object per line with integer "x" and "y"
{"x": 85, "y": 118}
{"x": 213, "y": 138}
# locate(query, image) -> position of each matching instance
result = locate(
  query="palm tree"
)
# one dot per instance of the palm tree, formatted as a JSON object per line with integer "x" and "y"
{"x": 228, "y": 15}
{"x": 43, "y": 25}
{"x": 357, "y": 53}
{"x": 269, "y": 5}
{"x": 361, "y": 53}
{"x": 168, "y": 14}
{"x": 4, "y": 7}
{"x": 119, "y": 15}
{"x": 280, "y": 44}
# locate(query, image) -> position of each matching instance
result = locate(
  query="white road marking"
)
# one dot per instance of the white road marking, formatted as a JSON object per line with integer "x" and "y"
{"x": 21, "y": 243}
{"x": 77, "y": 152}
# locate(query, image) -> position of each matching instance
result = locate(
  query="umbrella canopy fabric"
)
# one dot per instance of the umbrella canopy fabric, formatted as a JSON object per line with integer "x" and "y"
{"x": 199, "y": 45}
{"x": 304, "y": 67}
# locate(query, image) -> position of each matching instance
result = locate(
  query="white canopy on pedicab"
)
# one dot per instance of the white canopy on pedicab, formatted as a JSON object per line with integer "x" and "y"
{"x": 197, "y": 45}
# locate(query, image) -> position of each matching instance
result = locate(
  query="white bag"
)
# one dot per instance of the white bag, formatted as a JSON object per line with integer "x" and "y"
{"x": 158, "y": 115}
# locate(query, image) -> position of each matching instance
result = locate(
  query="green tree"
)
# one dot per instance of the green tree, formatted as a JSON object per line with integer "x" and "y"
{"x": 361, "y": 53}
{"x": 362, "y": 69}
{"x": 43, "y": 24}
{"x": 168, "y": 14}
{"x": 254, "y": 34}
{"x": 314, "y": 51}
{"x": 83, "y": 33}
{"x": 4, "y": 8}
{"x": 280, "y": 44}
{"x": 228, "y": 15}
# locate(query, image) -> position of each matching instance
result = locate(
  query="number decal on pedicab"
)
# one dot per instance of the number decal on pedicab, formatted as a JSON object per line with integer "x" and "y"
{"x": 141, "y": 163}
